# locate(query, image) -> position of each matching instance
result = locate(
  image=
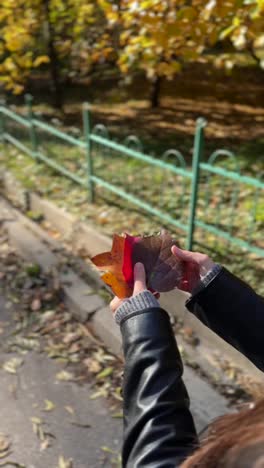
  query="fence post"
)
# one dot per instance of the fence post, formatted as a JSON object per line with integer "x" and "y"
{"x": 87, "y": 131}
{"x": 32, "y": 129}
{"x": 197, "y": 154}
{"x": 2, "y": 121}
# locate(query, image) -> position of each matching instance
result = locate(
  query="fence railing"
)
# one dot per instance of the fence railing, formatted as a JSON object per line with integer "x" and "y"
{"x": 205, "y": 197}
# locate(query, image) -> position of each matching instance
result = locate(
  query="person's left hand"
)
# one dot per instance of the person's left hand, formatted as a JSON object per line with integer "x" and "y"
{"x": 139, "y": 286}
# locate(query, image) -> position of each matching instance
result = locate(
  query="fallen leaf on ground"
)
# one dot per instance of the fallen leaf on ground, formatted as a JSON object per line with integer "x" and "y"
{"x": 83, "y": 425}
{"x": 71, "y": 337}
{"x": 69, "y": 409}
{"x": 63, "y": 463}
{"x": 100, "y": 393}
{"x": 26, "y": 343}
{"x": 189, "y": 336}
{"x": 74, "y": 348}
{"x": 108, "y": 450}
{"x": 4, "y": 446}
{"x": 12, "y": 365}
{"x": 43, "y": 436}
{"x": 46, "y": 316}
{"x": 93, "y": 365}
{"x": 36, "y": 420}
{"x": 56, "y": 351}
{"x": 49, "y": 406}
{"x": 5, "y": 454}
{"x": 101, "y": 356}
{"x": 37, "y": 428}
{"x": 117, "y": 415}
{"x": 105, "y": 373}
{"x": 64, "y": 375}
{"x": 45, "y": 444}
{"x": 9, "y": 463}
{"x": 35, "y": 305}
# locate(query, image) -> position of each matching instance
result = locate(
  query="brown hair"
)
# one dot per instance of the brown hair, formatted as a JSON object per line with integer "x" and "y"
{"x": 234, "y": 441}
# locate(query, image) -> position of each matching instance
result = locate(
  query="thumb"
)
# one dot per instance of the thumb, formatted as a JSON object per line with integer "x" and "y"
{"x": 184, "y": 255}
{"x": 139, "y": 278}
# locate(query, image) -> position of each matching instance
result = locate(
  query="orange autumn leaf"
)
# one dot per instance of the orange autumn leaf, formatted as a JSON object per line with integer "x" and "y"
{"x": 118, "y": 285}
{"x": 111, "y": 261}
{"x": 112, "y": 264}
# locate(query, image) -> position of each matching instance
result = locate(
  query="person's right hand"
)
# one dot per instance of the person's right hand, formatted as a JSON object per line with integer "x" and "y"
{"x": 204, "y": 262}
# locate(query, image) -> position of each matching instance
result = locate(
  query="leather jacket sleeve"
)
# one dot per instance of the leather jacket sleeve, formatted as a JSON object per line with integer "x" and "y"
{"x": 158, "y": 426}
{"x": 235, "y": 312}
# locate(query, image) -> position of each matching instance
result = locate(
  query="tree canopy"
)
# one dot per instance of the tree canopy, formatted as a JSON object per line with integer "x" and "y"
{"x": 158, "y": 37}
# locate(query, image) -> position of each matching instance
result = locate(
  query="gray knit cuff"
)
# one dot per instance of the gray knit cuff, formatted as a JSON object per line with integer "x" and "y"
{"x": 205, "y": 280}
{"x": 141, "y": 301}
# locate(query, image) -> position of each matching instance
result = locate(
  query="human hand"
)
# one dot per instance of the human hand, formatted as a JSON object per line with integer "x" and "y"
{"x": 202, "y": 260}
{"x": 139, "y": 286}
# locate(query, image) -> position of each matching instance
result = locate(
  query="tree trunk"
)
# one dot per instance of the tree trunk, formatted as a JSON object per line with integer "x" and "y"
{"x": 54, "y": 68}
{"x": 155, "y": 92}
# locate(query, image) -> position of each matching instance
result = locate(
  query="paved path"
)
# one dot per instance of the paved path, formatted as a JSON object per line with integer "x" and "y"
{"x": 23, "y": 396}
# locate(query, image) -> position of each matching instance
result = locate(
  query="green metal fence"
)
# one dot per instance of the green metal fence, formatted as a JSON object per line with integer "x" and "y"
{"x": 207, "y": 197}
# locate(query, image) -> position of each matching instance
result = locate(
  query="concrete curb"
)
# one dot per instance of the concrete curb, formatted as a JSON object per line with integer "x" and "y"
{"x": 87, "y": 238}
{"x": 78, "y": 295}
{"x": 81, "y": 235}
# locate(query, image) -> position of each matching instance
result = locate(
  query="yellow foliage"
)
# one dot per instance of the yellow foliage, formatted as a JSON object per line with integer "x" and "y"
{"x": 156, "y": 36}
{"x": 18, "y": 89}
{"x": 153, "y": 33}
{"x": 261, "y": 5}
{"x": 42, "y": 59}
{"x": 187, "y": 13}
{"x": 168, "y": 69}
{"x": 105, "y": 5}
{"x": 109, "y": 11}
{"x": 25, "y": 33}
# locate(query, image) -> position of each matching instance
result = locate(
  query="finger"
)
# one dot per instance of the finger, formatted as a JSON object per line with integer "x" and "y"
{"x": 139, "y": 278}
{"x": 183, "y": 254}
{"x": 115, "y": 303}
{"x": 156, "y": 294}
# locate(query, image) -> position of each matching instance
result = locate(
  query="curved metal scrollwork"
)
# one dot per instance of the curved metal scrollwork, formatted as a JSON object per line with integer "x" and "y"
{"x": 175, "y": 154}
{"x": 223, "y": 190}
{"x": 133, "y": 142}
{"x": 178, "y": 159}
{"x": 100, "y": 130}
{"x": 228, "y": 154}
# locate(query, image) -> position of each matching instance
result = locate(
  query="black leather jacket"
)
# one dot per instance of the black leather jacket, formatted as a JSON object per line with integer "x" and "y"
{"x": 158, "y": 427}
